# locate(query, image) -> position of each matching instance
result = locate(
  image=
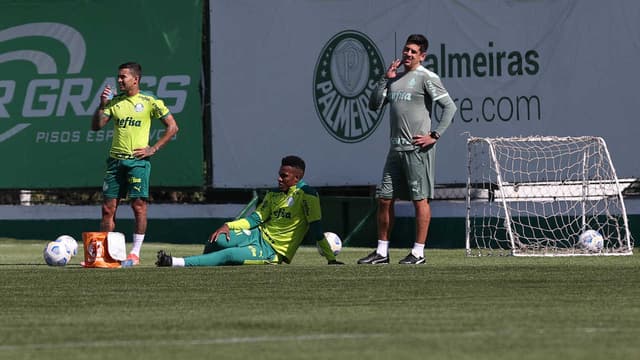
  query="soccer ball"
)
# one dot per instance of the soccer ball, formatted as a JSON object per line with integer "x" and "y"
{"x": 591, "y": 240}
{"x": 56, "y": 254}
{"x": 334, "y": 242}
{"x": 70, "y": 243}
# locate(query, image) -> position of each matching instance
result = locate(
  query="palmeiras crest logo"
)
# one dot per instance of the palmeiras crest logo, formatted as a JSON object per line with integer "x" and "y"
{"x": 344, "y": 78}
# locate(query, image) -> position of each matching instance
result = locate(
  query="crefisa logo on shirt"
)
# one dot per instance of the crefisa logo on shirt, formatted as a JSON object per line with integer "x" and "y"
{"x": 344, "y": 79}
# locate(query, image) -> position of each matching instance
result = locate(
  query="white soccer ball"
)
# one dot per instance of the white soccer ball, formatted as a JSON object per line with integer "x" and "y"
{"x": 56, "y": 254}
{"x": 334, "y": 242}
{"x": 70, "y": 243}
{"x": 591, "y": 240}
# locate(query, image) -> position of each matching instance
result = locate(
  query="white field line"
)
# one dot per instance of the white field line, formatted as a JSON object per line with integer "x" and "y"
{"x": 259, "y": 339}
{"x": 214, "y": 341}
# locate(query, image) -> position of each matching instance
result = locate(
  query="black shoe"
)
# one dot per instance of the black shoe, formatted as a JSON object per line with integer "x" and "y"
{"x": 164, "y": 259}
{"x": 412, "y": 259}
{"x": 374, "y": 258}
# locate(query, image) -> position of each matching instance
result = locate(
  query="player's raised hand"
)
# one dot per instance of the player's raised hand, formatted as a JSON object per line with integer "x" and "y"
{"x": 224, "y": 229}
{"x": 107, "y": 94}
{"x": 392, "y": 72}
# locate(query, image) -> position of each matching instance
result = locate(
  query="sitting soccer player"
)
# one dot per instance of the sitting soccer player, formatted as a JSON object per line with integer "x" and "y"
{"x": 272, "y": 233}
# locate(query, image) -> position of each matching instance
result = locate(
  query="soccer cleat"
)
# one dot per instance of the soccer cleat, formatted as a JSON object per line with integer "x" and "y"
{"x": 412, "y": 259}
{"x": 164, "y": 259}
{"x": 374, "y": 258}
{"x": 132, "y": 260}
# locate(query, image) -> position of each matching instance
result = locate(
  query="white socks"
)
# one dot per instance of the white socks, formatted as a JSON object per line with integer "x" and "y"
{"x": 418, "y": 250}
{"x": 383, "y": 248}
{"x": 137, "y": 244}
{"x": 177, "y": 261}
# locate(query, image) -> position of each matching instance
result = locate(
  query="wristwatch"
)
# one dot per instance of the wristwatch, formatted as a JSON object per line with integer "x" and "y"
{"x": 434, "y": 134}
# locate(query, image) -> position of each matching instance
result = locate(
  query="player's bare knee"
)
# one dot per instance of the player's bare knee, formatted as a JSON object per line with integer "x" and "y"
{"x": 108, "y": 210}
{"x": 139, "y": 206}
{"x": 385, "y": 203}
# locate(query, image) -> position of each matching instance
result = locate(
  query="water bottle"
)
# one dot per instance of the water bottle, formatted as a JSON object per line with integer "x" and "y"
{"x": 111, "y": 93}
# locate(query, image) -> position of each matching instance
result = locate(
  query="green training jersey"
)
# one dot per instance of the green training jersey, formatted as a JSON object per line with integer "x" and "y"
{"x": 284, "y": 218}
{"x": 131, "y": 116}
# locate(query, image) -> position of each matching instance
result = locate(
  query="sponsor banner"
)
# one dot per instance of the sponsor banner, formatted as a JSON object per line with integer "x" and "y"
{"x": 54, "y": 64}
{"x": 560, "y": 68}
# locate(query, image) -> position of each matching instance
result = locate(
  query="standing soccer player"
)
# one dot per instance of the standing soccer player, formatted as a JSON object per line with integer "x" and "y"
{"x": 272, "y": 233}
{"x": 128, "y": 165}
{"x": 410, "y": 165}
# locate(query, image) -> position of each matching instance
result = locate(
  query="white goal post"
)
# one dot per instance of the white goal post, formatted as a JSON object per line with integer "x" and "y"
{"x": 535, "y": 196}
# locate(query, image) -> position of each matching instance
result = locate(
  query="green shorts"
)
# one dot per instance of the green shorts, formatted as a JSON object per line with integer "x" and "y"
{"x": 408, "y": 175}
{"x": 126, "y": 177}
{"x": 243, "y": 247}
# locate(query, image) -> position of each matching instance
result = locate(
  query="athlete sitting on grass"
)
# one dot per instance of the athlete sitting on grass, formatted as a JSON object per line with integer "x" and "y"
{"x": 272, "y": 233}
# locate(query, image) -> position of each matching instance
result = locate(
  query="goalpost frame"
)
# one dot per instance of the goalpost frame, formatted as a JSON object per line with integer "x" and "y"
{"x": 619, "y": 188}
{"x": 590, "y": 191}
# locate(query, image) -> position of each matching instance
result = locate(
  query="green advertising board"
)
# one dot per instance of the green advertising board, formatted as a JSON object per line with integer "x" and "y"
{"x": 55, "y": 59}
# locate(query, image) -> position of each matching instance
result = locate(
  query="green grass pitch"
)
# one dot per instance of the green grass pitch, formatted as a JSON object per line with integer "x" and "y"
{"x": 454, "y": 307}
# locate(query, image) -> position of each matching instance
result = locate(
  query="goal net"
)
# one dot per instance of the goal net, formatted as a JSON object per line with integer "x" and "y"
{"x": 536, "y": 196}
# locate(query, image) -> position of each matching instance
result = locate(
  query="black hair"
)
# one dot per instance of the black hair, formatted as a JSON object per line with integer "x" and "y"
{"x": 420, "y": 40}
{"x": 134, "y": 67}
{"x": 293, "y": 161}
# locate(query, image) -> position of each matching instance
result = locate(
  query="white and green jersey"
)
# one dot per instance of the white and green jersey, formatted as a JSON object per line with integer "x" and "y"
{"x": 411, "y": 97}
{"x": 131, "y": 116}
